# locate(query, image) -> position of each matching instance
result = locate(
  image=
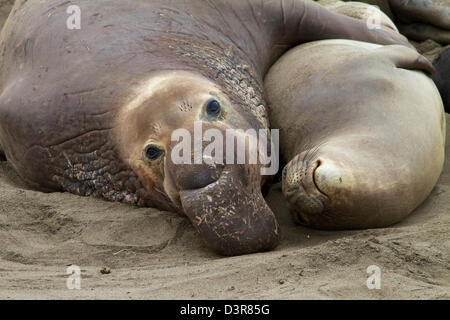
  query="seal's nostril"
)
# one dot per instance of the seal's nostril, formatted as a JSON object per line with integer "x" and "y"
{"x": 203, "y": 178}
{"x": 190, "y": 177}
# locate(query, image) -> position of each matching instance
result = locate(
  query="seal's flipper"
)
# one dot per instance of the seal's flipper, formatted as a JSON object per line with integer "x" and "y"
{"x": 318, "y": 23}
{"x": 405, "y": 58}
{"x": 287, "y": 23}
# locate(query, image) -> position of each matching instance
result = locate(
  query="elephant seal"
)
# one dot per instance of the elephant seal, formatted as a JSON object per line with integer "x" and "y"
{"x": 384, "y": 6}
{"x": 423, "y": 19}
{"x": 419, "y": 20}
{"x": 91, "y": 111}
{"x": 362, "y": 137}
{"x": 442, "y": 76}
{"x": 434, "y": 12}
{"x": 423, "y": 32}
{"x": 362, "y": 11}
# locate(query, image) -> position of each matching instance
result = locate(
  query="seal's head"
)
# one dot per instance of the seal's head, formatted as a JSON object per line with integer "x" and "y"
{"x": 223, "y": 200}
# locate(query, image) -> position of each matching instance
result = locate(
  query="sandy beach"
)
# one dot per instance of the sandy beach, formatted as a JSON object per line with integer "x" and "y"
{"x": 157, "y": 255}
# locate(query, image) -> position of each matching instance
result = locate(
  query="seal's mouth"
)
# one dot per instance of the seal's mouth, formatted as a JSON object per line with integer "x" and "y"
{"x": 305, "y": 194}
{"x": 231, "y": 214}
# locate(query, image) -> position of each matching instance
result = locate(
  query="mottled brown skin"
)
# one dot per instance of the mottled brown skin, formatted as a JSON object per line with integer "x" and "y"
{"x": 363, "y": 138}
{"x": 63, "y": 94}
{"x": 442, "y": 77}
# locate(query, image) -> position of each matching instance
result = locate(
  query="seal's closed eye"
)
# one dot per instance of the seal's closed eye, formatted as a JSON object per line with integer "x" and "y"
{"x": 213, "y": 108}
{"x": 153, "y": 152}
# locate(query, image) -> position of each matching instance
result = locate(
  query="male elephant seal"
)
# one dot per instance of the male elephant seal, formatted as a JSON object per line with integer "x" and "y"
{"x": 362, "y": 137}
{"x": 91, "y": 111}
{"x": 442, "y": 76}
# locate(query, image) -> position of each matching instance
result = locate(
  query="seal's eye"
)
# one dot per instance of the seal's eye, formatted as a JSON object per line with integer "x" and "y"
{"x": 153, "y": 152}
{"x": 213, "y": 108}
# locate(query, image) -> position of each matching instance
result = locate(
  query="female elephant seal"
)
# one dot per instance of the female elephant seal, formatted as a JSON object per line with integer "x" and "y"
{"x": 91, "y": 111}
{"x": 434, "y": 12}
{"x": 361, "y": 11}
{"x": 419, "y": 20}
{"x": 423, "y": 19}
{"x": 362, "y": 137}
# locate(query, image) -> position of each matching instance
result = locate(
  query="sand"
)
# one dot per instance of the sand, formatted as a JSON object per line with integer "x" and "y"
{"x": 157, "y": 255}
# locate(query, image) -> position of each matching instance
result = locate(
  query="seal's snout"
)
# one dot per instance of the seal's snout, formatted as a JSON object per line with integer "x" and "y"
{"x": 224, "y": 203}
{"x": 231, "y": 215}
{"x": 302, "y": 191}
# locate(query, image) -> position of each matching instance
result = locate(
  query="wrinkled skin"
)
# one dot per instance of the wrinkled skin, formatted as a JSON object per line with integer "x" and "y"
{"x": 433, "y": 12}
{"x": 423, "y": 19}
{"x": 78, "y": 108}
{"x": 362, "y": 136}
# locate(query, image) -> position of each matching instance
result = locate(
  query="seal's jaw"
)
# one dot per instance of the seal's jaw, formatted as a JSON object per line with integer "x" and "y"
{"x": 231, "y": 214}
